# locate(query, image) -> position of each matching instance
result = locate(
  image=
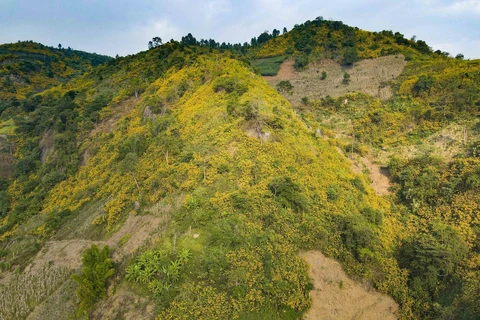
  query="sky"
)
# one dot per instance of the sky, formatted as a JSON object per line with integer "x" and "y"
{"x": 124, "y": 27}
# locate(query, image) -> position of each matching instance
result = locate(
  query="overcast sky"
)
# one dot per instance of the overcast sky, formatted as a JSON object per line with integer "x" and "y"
{"x": 124, "y": 27}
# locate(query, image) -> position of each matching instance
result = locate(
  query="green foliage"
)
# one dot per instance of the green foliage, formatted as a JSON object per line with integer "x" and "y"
{"x": 324, "y": 75}
{"x": 159, "y": 270}
{"x": 285, "y": 86}
{"x": 288, "y": 194}
{"x": 97, "y": 268}
{"x": 230, "y": 85}
{"x": 350, "y": 56}
{"x": 268, "y": 66}
{"x": 301, "y": 62}
{"x": 424, "y": 84}
{"x": 346, "y": 78}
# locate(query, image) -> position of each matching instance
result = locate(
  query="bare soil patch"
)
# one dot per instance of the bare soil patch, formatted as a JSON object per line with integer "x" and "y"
{"x": 379, "y": 176}
{"x": 369, "y": 76}
{"x": 336, "y": 296}
{"x": 124, "y": 304}
{"x": 67, "y": 253}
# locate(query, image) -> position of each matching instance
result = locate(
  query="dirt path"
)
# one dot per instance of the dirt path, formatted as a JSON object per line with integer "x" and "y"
{"x": 377, "y": 174}
{"x": 336, "y": 296}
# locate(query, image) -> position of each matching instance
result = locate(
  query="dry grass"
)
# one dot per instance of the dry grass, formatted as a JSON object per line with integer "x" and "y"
{"x": 20, "y": 293}
{"x": 368, "y": 76}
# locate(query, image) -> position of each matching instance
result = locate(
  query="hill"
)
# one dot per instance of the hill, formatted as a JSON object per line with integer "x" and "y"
{"x": 28, "y": 67}
{"x": 180, "y": 179}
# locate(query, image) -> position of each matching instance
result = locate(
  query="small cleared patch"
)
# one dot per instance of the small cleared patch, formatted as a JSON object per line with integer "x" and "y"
{"x": 336, "y": 296}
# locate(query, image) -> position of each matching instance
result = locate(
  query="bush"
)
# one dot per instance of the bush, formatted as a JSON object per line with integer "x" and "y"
{"x": 423, "y": 84}
{"x": 97, "y": 268}
{"x": 324, "y": 75}
{"x": 346, "y": 78}
{"x": 285, "y": 86}
{"x": 230, "y": 85}
{"x": 301, "y": 62}
{"x": 288, "y": 194}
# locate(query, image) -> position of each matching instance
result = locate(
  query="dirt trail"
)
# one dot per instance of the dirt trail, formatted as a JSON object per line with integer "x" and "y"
{"x": 377, "y": 174}
{"x": 336, "y": 296}
{"x": 67, "y": 253}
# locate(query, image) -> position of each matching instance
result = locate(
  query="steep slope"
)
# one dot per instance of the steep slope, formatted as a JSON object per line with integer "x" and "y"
{"x": 206, "y": 184}
{"x": 254, "y": 186}
{"x": 423, "y": 134}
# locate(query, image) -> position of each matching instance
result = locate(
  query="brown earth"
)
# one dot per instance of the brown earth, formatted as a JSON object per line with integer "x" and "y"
{"x": 379, "y": 176}
{"x": 124, "y": 304}
{"x": 67, "y": 253}
{"x": 335, "y": 296}
{"x": 369, "y": 76}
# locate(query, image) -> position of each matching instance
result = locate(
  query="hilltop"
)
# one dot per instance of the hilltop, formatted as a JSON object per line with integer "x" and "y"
{"x": 210, "y": 176}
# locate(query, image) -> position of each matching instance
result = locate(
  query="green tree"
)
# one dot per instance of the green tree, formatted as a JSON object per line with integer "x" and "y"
{"x": 346, "y": 78}
{"x": 285, "y": 86}
{"x": 433, "y": 257}
{"x": 350, "y": 56}
{"x": 97, "y": 268}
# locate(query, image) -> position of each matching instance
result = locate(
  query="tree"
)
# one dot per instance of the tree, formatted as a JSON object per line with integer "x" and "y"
{"x": 189, "y": 39}
{"x": 275, "y": 33}
{"x": 284, "y": 30}
{"x": 60, "y": 46}
{"x": 350, "y": 56}
{"x": 156, "y": 42}
{"x": 433, "y": 256}
{"x": 97, "y": 268}
{"x": 423, "y": 84}
{"x": 346, "y": 78}
{"x": 459, "y": 56}
{"x": 264, "y": 37}
{"x": 285, "y": 86}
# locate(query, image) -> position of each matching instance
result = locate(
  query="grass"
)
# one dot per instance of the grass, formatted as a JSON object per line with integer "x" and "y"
{"x": 23, "y": 291}
{"x": 268, "y": 66}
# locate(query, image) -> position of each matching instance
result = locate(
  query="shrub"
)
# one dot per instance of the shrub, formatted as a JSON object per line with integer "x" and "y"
{"x": 423, "y": 84}
{"x": 346, "y": 78}
{"x": 288, "y": 194}
{"x": 230, "y": 85}
{"x": 301, "y": 62}
{"x": 285, "y": 86}
{"x": 97, "y": 268}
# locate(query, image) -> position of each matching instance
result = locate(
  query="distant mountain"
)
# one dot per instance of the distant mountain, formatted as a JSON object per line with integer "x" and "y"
{"x": 27, "y": 67}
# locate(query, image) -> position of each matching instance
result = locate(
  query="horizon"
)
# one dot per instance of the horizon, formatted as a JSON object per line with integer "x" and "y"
{"x": 111, "y": 28}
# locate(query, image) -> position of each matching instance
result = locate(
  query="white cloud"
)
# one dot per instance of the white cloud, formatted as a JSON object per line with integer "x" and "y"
{"x": 462, "y": 7}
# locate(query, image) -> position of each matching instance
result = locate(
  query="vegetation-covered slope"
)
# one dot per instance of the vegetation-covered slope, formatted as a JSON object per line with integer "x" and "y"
{"x": 28, "y": 67}
{"x": 244, "y": 181}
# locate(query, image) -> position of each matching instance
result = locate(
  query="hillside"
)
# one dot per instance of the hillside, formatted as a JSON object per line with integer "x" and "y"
{"x": 27, "y": 67}
{"x": 181, "y": 179}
